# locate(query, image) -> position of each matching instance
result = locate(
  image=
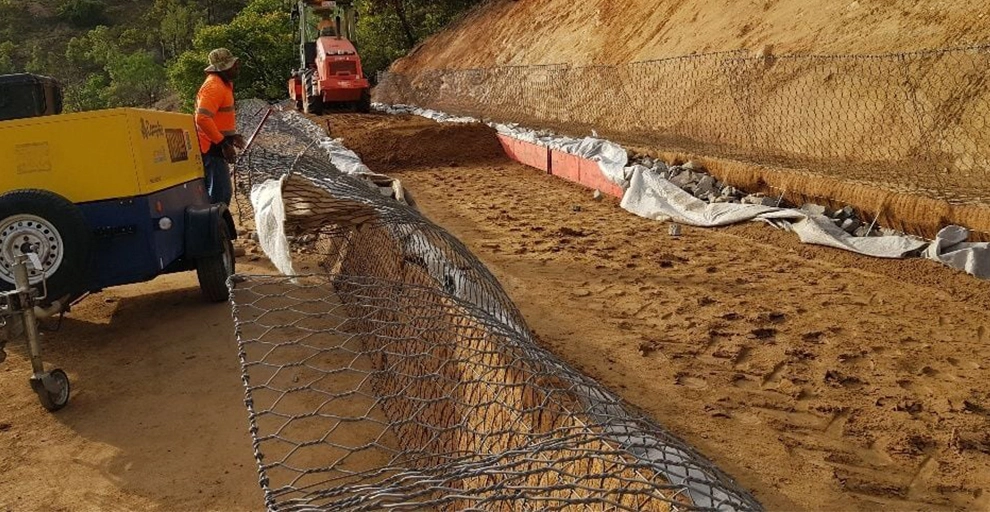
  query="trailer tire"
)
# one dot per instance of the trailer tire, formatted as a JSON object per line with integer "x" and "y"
{"x": 213, "y": 271}
{"x": 56, "y": 230}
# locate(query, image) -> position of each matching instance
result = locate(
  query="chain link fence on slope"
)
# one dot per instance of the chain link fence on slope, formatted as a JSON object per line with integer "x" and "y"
{"x": 402, "y": 377}
{"x": 913, "y": 123}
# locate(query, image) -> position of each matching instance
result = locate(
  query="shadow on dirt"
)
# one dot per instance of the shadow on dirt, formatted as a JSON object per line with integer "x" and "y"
{"x": 157, "y": 398}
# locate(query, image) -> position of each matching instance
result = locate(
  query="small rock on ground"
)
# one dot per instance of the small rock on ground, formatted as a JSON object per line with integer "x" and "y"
{"x": 760, "y": 200}
{"x": 850, "y": 226}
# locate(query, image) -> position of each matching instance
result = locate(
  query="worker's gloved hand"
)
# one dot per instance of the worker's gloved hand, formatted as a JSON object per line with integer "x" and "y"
{"x": 229, "y": 151}
{"x": 230, "y": 145}
{"x": 237, "y": 140}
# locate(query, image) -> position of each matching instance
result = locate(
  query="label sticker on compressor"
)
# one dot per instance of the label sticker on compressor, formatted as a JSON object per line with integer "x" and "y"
{"x": 177, "y": 148}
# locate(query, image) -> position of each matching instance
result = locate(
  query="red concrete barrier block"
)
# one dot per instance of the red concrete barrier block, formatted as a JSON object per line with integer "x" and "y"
{"x": 567, "y": 166}
{"x": 526, "y": 153}
{"x": 583, "y": 171}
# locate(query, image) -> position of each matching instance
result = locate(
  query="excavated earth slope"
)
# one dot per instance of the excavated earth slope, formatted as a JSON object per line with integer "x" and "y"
{"x": 819, "y": 101}
{"x": 525, "y": 32}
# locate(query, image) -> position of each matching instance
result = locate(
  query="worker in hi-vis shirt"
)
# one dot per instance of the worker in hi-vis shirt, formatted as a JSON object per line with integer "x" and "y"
{"x": 216, "y": 126}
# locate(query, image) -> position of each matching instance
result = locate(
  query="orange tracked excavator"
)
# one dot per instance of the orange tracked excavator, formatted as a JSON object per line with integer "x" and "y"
{"x": 331, "y": 74}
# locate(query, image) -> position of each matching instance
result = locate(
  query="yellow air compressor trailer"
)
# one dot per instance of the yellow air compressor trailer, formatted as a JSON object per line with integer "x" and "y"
{"x": 107, "y": 198}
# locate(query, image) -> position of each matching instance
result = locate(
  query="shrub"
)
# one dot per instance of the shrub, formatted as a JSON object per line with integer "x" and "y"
{"x": 83, "y": 13}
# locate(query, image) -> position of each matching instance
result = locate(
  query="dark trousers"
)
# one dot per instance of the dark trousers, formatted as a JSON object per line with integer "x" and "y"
{"x": 218, "y": 179}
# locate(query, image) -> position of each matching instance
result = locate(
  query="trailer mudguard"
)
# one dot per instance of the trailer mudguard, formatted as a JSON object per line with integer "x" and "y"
{"x": 202, "y": 235}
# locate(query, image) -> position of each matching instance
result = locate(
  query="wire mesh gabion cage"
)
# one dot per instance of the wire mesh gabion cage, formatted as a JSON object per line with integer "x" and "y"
{"x": 402, "y": 377}
{"x": 911, "y": 122}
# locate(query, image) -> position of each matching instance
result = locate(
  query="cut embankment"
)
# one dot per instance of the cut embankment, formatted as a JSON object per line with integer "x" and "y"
{"x": 688, "y": 194}
{"x": 811, "y": 375}
{"x": 882, "y": 108}
{"x": 387, "y": 148}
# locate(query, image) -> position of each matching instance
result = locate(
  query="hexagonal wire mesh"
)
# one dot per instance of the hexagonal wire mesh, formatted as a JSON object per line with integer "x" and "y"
{"x": 911, "y": 123}
{"x": 403, "y": 377}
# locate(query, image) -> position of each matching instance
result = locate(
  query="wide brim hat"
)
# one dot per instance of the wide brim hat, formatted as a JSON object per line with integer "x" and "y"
{"x": 221, "y": 60}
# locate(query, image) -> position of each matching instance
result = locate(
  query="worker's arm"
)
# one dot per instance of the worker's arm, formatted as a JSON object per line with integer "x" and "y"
{"x": 206, "y": 109}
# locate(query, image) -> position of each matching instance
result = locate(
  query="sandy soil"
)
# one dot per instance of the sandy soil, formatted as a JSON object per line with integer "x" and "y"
{"x": 518, "y": 32}
{"x": 817, "y": 378}
{"x": 156, "y": 421}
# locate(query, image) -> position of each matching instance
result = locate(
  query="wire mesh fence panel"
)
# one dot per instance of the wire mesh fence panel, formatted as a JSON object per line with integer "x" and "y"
{"x": 909, "y": 122}
{"x": 402, "y": 376}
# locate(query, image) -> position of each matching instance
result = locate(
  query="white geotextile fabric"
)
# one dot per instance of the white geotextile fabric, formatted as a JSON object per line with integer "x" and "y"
{"x": 457, "y": 282}
{"x": 648, "y": 195}
{"x": 653, "y": 197}
{"x": 435, "y": 115}
{"x": 269, "y": 221}
{"x": 951, "y": 248}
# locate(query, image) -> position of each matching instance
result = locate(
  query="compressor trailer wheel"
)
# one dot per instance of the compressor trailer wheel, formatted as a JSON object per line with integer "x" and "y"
{"x": 45, "y": 250}
{"x": 54, "y": 229}
{"x": 52, "y": 389}
{"x": 213, "y": 271}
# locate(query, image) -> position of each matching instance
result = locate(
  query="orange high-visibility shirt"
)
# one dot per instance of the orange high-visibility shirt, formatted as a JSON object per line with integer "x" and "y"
{"x": 214, "y": 112}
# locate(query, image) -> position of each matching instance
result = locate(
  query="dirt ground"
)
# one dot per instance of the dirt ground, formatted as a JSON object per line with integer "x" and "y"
{"x": 816, "y": 378}
{"x": 156, "y": 421}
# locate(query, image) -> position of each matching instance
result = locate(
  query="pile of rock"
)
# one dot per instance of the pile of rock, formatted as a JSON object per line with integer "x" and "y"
{"x": 692, "y": 177}
{"x": 847, "y": 219}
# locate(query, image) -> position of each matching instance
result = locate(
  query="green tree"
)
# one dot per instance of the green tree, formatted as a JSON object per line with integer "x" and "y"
{"x": 108, "y": 68}
{"x": 389, "y": 29}
{"x": 261, "y": 35}
{"x": 221, "y": 11}
{"x": 92, "y": 51}
{"x": 42, "y": 62}
{"x": 185, "y": 76}
{"x": 268, "y": 6}
{"x": 177, "y": 22}
{"x": 400, "y": 10}
{"x": 7, "y": 57}
{"x": 136, "y": 79}
{"x": 90, "y": 94}
{"x": 12, "y": 14}
{"x": 83, "y": 13}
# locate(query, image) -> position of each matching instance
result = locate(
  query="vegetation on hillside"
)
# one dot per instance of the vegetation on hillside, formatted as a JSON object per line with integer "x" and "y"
{"x": 389, "y": 29}
{"x": 111, "y": 53}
